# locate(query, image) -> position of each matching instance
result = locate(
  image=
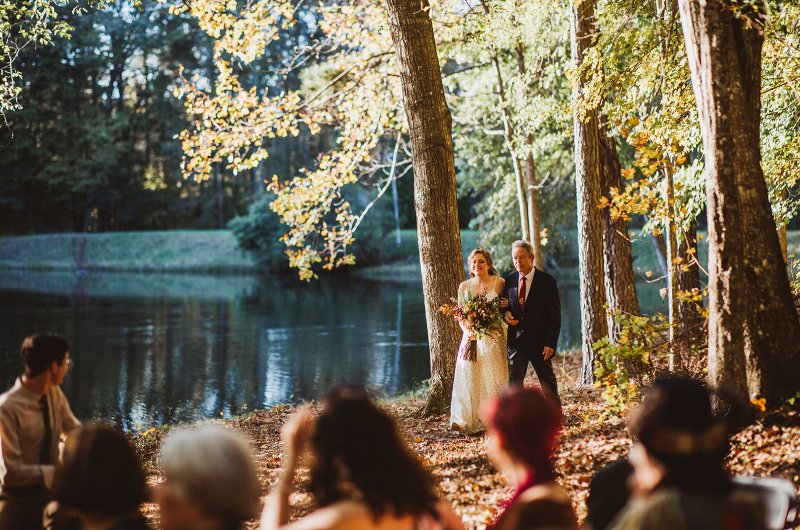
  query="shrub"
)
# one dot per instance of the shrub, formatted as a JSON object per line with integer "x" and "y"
{"x": 259, "y": 233}
{"x": 643, "y": 351}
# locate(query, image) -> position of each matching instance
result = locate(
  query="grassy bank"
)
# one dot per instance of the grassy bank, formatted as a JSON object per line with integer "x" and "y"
{"x": 158, "y": 251}
{"x": 194, "y": 251}
{"x": 216, "y": 251}
{"x": 591, "y": 438}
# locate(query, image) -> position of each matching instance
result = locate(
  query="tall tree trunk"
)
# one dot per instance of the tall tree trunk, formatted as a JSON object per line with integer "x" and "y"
{"x": 753, "y": 325}
{"x": 782, "y": 231}
{"x": 429, "y": 123}
{"x": 587, "y": 191}
{"x": 219, "y": 197}
{"x": 660, "y": 246}
{"x": 620, "y": 282}
{"x": 783, "y": 242}
{"x": 688, "y": 279}
{"x": 534, "y": 220}
{"x": 670, "y": 237}
{"x": 508, "y": 130}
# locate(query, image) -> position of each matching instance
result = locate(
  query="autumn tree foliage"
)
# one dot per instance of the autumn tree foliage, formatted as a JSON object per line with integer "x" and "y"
{"x": 357, "y": 98}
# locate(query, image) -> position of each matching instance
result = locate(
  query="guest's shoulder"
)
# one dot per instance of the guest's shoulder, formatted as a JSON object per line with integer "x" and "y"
{"x": 657, "y": 511}
{"x": 11, "y": 395}
{"x": 4, "y": 397}
{"x": 545, "y": 506}
{"x": 545, "y": 492}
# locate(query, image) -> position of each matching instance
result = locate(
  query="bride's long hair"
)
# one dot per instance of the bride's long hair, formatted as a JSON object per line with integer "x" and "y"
{"x": 487, "y": 256}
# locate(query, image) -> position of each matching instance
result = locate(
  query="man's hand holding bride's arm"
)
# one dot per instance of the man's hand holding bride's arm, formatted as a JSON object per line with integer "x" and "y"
{"x": 295, "y": 435}
{"x": 509, "y": 319}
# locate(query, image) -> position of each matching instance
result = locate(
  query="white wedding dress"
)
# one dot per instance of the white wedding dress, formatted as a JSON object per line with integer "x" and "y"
{"x": 475, "y": 382}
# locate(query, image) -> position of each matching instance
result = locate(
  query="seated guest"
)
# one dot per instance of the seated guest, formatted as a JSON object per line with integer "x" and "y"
{"x": 101, "y": 480}
{"x": 608, "y": 494}
{"x": 362, "y": 474}
{"x": 210, "y": 481}
{"x": 522, "y": 431}
{"x": 34, "y": 415}
{"x": 678, "y": 476}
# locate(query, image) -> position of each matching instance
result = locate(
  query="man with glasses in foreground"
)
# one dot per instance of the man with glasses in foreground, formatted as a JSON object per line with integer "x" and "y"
{"x": 34, "y": 416}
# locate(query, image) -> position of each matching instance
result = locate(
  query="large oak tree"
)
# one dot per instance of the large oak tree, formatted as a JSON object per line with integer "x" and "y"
{"x": 429, "y": 124}
{"x": 588, "y": 186}
{"x": 753, "y": 325}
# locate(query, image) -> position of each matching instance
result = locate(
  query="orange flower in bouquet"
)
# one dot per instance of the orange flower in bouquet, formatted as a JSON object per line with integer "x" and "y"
{"x": 478, "y": 314}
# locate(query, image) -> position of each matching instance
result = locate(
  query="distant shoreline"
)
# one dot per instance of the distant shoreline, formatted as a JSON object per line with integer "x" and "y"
{"x": 189, "y": 251}
{"x": 175, "y": 251}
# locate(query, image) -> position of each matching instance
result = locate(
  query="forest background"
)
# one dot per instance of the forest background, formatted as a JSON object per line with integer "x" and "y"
{"x": 144, "y": 116}
{"x": 94, "y": 121}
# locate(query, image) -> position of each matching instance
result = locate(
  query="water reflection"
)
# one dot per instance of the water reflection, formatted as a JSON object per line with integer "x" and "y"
{"x": 160, "y": 349}
{"x": 154, "y": 349}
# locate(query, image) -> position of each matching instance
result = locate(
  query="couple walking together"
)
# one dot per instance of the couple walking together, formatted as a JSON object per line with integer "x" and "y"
{"x": 532, "y": 312}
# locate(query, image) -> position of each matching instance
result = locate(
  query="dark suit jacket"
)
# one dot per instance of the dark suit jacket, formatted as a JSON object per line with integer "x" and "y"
{"x": 540, "y": 322}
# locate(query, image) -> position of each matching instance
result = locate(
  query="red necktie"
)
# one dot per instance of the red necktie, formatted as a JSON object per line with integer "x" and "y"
{"x": 522, "y": 290}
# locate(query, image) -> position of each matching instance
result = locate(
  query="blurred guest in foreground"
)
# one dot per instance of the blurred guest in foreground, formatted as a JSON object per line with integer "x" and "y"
{"x": 678, "y": 480}
{"x": 101, "y": 480}
{"x": 34, "y": 416}
{"x": 522, "y": 431}
{"x": 362, "y": 475}
{"x": 210, "y": 480}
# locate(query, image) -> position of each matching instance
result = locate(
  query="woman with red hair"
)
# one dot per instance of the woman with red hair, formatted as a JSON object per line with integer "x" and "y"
{"x": 522, "y": 431}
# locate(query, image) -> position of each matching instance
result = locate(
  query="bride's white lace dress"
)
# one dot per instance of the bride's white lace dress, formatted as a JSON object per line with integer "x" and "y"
{"x": 475, "y": 382}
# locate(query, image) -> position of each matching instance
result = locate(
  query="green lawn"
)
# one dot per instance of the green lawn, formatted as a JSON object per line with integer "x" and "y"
{"x": 216, "y": 251}
{"x": 157, "y": 251}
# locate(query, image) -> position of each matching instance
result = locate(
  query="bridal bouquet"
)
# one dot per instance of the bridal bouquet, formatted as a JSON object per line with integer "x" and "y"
{"x": 478, "y": 314}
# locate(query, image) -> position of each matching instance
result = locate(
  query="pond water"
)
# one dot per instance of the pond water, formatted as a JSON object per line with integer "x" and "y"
{"x": 155, "y": 349}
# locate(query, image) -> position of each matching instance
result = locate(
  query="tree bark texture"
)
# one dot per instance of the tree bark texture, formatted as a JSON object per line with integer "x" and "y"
{"x": 588, "y": 187}
{"x": 620, "y": 282}
{"x": 688, "y": 278}
{"x": 534, "y": 219}
{"x": 753, "y": 325}
{"x": 660, "y": 246}
{"x": 508, "y": 131}
{"x": 671, "y": 239}
{"x": 434, "y": 186}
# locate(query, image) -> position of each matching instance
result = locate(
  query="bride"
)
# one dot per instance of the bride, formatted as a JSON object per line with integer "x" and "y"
{"x": 487, "y": 376}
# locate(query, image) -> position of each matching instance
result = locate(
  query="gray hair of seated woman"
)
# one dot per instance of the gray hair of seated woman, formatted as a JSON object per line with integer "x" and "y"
{"x": 213, "y": 466}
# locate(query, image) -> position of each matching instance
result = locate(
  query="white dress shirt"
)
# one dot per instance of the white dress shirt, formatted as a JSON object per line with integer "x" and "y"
{"x": 22, "y": 435}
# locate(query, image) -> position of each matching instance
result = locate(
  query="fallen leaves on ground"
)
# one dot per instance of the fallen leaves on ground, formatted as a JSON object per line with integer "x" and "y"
{"x": 591, "y": 438}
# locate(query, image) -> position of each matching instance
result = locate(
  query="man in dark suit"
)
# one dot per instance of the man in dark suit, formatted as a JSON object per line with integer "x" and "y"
{"x": 534, "y": 319}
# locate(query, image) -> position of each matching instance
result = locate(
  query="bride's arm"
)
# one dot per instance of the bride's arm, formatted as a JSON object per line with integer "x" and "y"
{"x": 500, "y": 286}
{"x": 462, "y": 288}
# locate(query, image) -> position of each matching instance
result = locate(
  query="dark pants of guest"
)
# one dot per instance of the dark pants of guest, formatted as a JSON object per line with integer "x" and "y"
{"x": 518, "y": 366}
{"x": 32, "y": 508}
{"x": 23, "y": 508}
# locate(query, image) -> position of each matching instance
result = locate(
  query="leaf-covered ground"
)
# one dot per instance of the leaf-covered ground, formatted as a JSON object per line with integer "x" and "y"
{"x": 590, "y": 439}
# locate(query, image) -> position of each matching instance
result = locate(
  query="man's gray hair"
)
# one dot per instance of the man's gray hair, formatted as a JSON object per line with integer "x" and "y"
{"x": 521, "y": 243}
{"x": 213, "y": 466}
